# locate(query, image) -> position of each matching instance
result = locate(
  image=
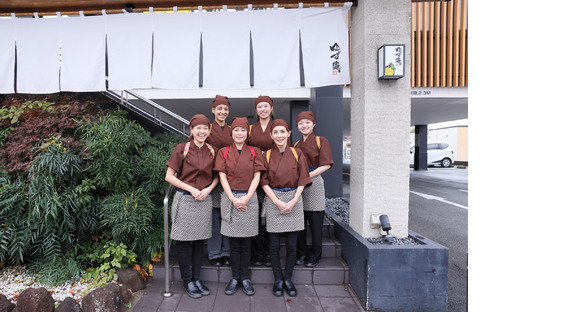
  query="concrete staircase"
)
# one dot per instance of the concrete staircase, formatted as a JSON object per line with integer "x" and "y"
{"x": 331, "y": 270}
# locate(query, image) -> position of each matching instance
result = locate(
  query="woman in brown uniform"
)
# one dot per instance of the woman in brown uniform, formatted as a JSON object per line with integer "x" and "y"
{"x": 319, "y": 156}
{"x": 239, "y": 167}
{"x": 190, "y": 170}
{"x": 259, "y": 136}
{"x": 283, "y": 182}
{"x": 218, "y": 247}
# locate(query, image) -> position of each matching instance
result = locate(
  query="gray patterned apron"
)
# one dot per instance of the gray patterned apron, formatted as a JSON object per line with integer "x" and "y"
{"x": 191, "y": 218}
{"x": 314, "y": 196}
{"x": 276, "y": 222}
{"x": 236, "y": 223}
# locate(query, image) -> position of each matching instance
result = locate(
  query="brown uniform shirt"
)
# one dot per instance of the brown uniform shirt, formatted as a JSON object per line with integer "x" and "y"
{"x": 239, "y": 167}
{"x": 196, "y": 168}
{"x": 219, "y": 137}
{"x": 315, "y": 156}
{"x": 284, "y": 171}
{"x": 259, "y": 138}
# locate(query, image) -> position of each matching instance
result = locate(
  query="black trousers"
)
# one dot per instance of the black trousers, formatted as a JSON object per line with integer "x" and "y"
{"x": 314, "y": 219}
{"x": 189, "y": 255}
{"x": 240, "y": 257}
{"x": 291, "y": 238}
{"x": 260, "y": 242}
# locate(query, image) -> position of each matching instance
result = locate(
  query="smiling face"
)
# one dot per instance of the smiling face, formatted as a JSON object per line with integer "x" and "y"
{"x": 199, "y": 133}
{"x": 280, "y": 136}
{"x": 239, "y": 135}
{"x": 221, "y": 112}
{"x": 306, "y": 126}
{"x": 264, "y": 110}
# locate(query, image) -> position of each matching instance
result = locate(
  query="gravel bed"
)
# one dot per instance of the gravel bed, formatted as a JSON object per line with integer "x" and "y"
{"x": 14, "y": 280}
{"x": 341, "y": 209}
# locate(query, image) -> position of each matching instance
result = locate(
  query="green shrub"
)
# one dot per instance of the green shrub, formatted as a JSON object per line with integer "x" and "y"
{"x": 14, "y": 231}
{"x": 105, "y": 258}
{"x": 67, "y": 182}
{"x": 112, "y": 143}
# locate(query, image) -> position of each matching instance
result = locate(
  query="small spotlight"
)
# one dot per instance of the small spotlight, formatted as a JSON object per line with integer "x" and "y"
{"x": 386, "y": 226}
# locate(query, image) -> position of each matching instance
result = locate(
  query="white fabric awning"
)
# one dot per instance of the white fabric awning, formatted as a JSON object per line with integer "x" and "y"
{"x": 167, "y": 50}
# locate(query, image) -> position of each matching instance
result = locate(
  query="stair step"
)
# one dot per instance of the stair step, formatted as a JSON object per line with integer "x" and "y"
{"x": 329, "y": 271}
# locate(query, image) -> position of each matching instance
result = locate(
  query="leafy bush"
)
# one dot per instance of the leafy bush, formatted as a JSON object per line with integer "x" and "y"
{"x": 113, "y": 142}
{"x": 59, "y": 219}
{"x": 31, "y": 122}
{"x": 14, "y": 231}
{"x": 105, "y": 258}
{"x": 72, "y": 175}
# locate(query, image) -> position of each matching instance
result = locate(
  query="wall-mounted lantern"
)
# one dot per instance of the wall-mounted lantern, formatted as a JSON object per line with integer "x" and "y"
{"x": 391, "y": 61}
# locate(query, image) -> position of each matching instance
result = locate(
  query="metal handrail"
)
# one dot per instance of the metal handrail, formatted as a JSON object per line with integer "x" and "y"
{"x": 152, "y": 117}
{"x": 166, "y": 241}
{"x": 159, "y": 107}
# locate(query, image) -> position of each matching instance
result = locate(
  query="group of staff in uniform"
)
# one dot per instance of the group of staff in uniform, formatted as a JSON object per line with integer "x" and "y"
{"x": 244, "y": 187}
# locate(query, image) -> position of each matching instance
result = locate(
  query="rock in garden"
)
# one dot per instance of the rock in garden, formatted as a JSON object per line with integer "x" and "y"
{"x": 131, "y": 278}
{"x": 102, "y": 299}
{"x": 35, "y": 299}
{"x": 5, "y": 304}
{"x": 68, "y": 305}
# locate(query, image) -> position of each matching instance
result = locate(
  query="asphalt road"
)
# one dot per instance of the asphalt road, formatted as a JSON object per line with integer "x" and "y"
{"x": 438, "y": 202}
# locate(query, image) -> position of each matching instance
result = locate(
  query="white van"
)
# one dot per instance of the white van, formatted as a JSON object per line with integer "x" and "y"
{"x": 438, "y": 153}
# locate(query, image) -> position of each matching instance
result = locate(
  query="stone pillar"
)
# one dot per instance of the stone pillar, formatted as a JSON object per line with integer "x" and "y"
{"x": 326, "y": 103}
{"x": 380, "y": 118}
{"x": 420, "y": 162}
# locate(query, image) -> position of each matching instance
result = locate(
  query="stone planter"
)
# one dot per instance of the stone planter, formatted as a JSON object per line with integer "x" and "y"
{"x": 395, "y": 277}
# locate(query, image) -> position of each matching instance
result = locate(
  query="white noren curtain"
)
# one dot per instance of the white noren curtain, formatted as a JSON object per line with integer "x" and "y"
{"x": 83, "y": 54}
{"x": 37, "y": 54}
{"x": 176, "y": 40}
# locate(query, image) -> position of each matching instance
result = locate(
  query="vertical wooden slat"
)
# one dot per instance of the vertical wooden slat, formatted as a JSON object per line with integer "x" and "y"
{"x": 463, "y": 61}
{"x": 444, "y": 44}
{"x": 450, "y": 18}
{"x": 437, "y": 43}
{"x": 456, "y": 57}
{"x": 413, "y": 32}
{"x": 418, "y": 47}
{"x": 431, "y": 43}
{"x": 425, "y": 43}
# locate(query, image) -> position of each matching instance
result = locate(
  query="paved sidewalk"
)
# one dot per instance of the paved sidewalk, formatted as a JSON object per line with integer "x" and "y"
{"x": 322, "y": 298}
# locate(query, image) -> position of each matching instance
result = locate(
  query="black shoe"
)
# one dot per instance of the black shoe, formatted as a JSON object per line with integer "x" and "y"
{"x": 191, "y": 290}
{"x": 311, "y": 262}
{"x": 290, "y": 289}
{"x": 257, "y": 261}
{"x": 267, "y": 261}
{"x": 232, "y": 287}
{"x": 278, "y": 288}
{"x": 226, "y": 260}
{"x": 300, "y": 260}
{"x": 204, "y": 290}
{"x": 216, "y": 261}
{"x": 247, "y": 287}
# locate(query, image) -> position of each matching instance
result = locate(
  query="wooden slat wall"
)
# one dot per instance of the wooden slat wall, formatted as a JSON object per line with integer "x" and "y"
{"x": 439, "y": 44}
